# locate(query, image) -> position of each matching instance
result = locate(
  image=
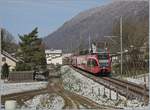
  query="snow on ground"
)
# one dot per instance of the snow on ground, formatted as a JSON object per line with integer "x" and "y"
{"x": 139, "y": 79}
{"x": 8, "y": 88}
{"x": 44, "y": 102}
{"x": 86, "y": 87}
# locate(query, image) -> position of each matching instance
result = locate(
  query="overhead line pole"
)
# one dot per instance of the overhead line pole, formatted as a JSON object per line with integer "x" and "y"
{"x": 89, "y": 43}
{"x": 0, "y": 64}
{"x": 0, "y": 54}
{"x": 149, "y": 56}
{"x": 121, "y": 44}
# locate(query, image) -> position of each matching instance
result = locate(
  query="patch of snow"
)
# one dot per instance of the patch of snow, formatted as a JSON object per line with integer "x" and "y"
{"x": 86, "y": 87}
{"x": 8, "y": 88}
{"x": 140, "y": 79}
{"x": 44, "y": 102}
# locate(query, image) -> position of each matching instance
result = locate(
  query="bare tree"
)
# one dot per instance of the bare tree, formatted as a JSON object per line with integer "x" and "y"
{"x": 8, "y": 41}
{"x": 135, "y": 36}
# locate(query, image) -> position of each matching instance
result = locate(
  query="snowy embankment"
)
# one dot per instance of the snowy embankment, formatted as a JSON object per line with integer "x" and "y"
{"x": 86, "y": 87}
{"x": 9, "y": 88}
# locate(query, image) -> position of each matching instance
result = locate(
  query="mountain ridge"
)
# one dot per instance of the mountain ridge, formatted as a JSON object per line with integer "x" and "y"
{"x": 96, "y": 22}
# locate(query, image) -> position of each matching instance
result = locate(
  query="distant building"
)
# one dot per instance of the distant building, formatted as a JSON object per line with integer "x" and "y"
{"x": 10, "y": 60}
{"x": 53, "y": 56}
{"x": 67, "y": 55}
{"x": 66, "y": 58}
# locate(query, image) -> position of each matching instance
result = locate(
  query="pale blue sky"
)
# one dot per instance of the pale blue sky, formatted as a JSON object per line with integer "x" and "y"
{"x": 21, "y": 16}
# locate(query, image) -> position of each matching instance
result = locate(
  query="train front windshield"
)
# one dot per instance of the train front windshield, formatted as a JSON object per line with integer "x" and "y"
{"x": 103, "y": 59}
{"x": 103, "y": 56}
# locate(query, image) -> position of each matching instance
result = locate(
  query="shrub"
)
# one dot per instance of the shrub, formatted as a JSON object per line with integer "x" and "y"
{"x": 5, "y": 70}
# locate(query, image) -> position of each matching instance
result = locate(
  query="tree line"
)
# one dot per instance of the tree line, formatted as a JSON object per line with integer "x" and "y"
{"x": 135, "y": 45}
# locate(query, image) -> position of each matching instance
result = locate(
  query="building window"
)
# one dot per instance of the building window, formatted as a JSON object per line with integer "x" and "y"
{"x": 3, "y": 59}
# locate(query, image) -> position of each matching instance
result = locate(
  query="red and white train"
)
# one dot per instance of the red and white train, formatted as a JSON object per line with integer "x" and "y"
{"x": 98, "y": 63}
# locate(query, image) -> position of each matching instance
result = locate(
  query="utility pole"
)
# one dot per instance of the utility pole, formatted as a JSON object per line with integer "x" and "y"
{"x": 0, "y": 54}
{"x": 0, "y": 62}
{"x": 149, "y": 58}
{"x": 79, "y": 48}
{"x": 89, "y": 43}
{"x": 121, "y": 44}
{"x": 121, "y": 52}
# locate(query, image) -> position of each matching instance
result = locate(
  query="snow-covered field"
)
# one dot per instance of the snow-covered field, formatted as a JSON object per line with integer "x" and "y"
{"x": 86, "y": 87}
{"x": 140, "y": 79}
{"x": 8, "y": 88}
{"x": 44, "y": 102}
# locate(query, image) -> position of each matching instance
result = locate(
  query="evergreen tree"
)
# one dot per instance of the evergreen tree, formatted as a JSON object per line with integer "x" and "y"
{"x": 31, "y": 51}
{"x": 5, "y": 70}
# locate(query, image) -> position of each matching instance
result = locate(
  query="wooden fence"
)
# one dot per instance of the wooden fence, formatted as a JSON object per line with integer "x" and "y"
{"x": 20, "y": 76}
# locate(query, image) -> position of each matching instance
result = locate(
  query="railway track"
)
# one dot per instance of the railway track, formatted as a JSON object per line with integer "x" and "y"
{"x": 72, "y": 100}
{"x": 21, "y": 97}
{"x": 125, "y": 88}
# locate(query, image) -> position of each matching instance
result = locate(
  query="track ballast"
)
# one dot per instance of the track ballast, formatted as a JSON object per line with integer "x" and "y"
{"x": 125, "y": 88}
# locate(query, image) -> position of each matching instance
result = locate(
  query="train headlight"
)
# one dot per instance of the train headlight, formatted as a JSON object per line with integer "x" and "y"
{"x": 103, "y": 67}
{"x": 106, "y": 64}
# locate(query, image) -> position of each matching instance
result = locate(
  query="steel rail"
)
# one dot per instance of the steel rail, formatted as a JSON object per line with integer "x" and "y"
{"x": 125, "y": 88}
{"x": 23, "y": 96}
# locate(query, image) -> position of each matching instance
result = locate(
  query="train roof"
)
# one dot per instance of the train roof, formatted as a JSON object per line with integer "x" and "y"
{"x": 87, "y": 52}
{"x": 99, "y": 50}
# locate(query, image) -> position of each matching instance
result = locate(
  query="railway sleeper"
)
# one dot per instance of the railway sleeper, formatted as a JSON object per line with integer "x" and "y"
{"x": 133, "y": 92}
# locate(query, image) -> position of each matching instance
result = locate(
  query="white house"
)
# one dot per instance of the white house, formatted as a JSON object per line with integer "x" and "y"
{"x": 7, "y": 58}
{"x": 53, "y": 56}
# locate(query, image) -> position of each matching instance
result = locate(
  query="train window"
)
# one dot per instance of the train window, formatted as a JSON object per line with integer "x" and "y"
{"x": 88, "y": 62}
{"x": 103, "y": 56}
{"x": 92, "y": 63}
